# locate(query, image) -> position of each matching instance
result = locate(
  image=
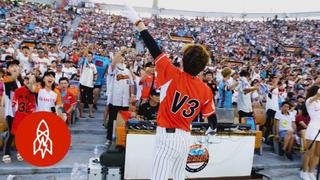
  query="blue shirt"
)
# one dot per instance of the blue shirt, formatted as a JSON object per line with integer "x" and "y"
{"x": 225, "y": 95}
{"x": 101, "y": 65}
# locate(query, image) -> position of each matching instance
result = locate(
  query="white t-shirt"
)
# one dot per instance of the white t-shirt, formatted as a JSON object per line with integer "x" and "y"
{"x": 87, "y": 75}
{"x": 285, "y": 121}
{"x": 69, "y": 71}
{"x": 53, "y": 56}
{"x": 42, "y": 63}
{"x": 58, "y": 76}
{"x": 8, "y": 51}
{"x": 46, "y": 100}
{"x": 138, "y": 87}
{"x": 244, "y": 100}
{"x": 273, "y": 103}
{"x": 119, "y": 90}
{"x": 314, "y": 113}
{"x": 8, "y": 109}
{"x": 24, "y": 60}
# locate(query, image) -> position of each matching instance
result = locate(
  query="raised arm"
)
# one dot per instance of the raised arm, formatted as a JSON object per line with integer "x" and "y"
{"x": 145, "y": 35}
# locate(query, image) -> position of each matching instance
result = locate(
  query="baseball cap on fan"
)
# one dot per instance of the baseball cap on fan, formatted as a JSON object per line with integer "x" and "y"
{"x": 49, "y": 73}
{"x": 155, "y": 92}
{"x": 149, "y": 64}
{"x": 13, "y": 62}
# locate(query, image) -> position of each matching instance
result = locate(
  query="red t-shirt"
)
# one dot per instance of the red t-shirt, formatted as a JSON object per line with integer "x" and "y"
{"x": 68, "y": 100}
{"x": 75, "y": 58}
{"x": 25, "y": 102}
{"x": 146, "y": 86}
{"x": 300, "y": 118}
{"x": 182, "y": 96}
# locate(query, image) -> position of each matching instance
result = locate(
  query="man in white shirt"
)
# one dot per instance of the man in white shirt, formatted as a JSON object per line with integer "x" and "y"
{"x": 272, "y": 105}
{"x": 88, "y": 75}
{"x": 63, "y": 53}
{"x": 41, "y": 61}
{"x": 24, "y": 58}
{"x": 68, "y": 69}
{"x": 59, "y": 73}
{"x": 7, "y": 50}
{"x": 285, "y": 128}
{"x": 120, "y": 91}
{"x": 244, "y": 95}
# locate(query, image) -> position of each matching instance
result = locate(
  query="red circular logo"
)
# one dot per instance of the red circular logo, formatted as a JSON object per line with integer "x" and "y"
{"x": 43, "y": 139}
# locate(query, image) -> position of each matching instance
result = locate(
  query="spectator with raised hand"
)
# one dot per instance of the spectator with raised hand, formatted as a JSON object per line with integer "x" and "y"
{"x": 24, "y": 57}
{"x": 120, "y": 91}
{"x": 24, "y": 101}
{"x": 11, "y": 83}
{"x": 245, "y": 90}
{"x": 88, "y": 76}
{"x": 272, "y": 105}
{"x": 63, "y": 53}
{"x": 225, "y": 89}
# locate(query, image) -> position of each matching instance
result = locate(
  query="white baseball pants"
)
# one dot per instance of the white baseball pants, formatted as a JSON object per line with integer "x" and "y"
{"x": 171, "y": 153}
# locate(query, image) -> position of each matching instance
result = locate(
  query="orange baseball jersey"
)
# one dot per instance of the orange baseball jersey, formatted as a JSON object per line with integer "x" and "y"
{"x": 146, "y": 87}
{"x": 182, "y": 96}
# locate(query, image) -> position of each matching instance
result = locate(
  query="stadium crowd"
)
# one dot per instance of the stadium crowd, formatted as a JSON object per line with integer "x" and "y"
{"x": 270, "y": 64}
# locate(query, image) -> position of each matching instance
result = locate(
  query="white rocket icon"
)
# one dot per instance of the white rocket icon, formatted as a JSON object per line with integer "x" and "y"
{"x": 42, "y": 143}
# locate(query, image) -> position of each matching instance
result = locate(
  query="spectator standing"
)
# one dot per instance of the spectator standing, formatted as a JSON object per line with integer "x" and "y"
{"x": 272, "y": 105}
{"x": 24, "y": 102}
{"x": 148, "y": 82}
{"x": 311, "y": 158}
{"x": 68, "y": 69}
{"x": 88, "y": 75}
{"x": 120, "y": 91}
{"x": 68, "y": 98}
{"x": 244, "y": 95}
{"x": 101, "y": 66}
{"x": 40, "y": 61}
{"x": 24, "y": 58}
{"x": 10, "y": 85}
{"x": 59, "y": 73}
{"x": 209, "y": 79}
{"x": 225, "y": 89}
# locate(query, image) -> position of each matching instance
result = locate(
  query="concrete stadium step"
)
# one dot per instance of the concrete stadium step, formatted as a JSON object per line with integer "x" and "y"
{"x": 87, "y": 131}
{"x": 85, "y": 139}
{"x": 270, "y": 160}
{"x": 281, "y": 174}
{"x": 93, "y": 126}
{"x": 100, "y": 110}
{"x": 90, "y": 120}
{"x": 64, "y": 166}
{"x": 56, "y": 176}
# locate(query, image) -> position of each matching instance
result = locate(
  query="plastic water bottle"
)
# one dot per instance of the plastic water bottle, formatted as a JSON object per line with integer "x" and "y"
{"x": 79, "y": 172}
{"x": 95, "y": 152}
{"x": 75, "y": 172}
{"x": 83, "y": 175}
{"x": 11, "y": 177}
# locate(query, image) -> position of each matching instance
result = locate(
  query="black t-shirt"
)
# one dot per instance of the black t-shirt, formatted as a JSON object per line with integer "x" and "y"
{"x": 149, "y": 112}
{"x": 213, "y": 87}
